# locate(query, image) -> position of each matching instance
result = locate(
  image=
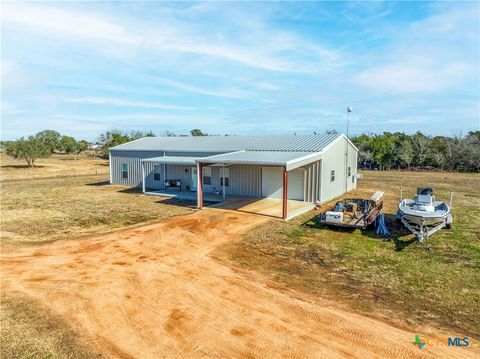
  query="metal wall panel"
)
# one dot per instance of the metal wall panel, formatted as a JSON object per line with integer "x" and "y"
{"x": 312, "y": 182}
{"x": 132, "y": 159}
{"x": 352, "y": 162}
{"x": 180, "y": 172}
{"x": 244, "y": 180}
{"x": 334, "y": 159}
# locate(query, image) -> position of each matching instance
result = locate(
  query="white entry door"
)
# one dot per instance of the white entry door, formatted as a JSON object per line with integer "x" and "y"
{"x": 194, "y": 179}
{"x": 272, "y": 183}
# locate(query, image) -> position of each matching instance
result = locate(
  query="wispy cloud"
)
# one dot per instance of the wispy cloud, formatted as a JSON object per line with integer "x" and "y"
{"x": 414, "y": 78}
{"x": 436, "y": 54}
{"x": 176, "y": 36}
{"x": 109, "y": 101}
{"x": 62, "y": 22}
{"x": 228, "y": 93}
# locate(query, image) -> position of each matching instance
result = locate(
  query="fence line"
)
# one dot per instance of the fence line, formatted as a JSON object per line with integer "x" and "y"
{"x": 9, "y": 176}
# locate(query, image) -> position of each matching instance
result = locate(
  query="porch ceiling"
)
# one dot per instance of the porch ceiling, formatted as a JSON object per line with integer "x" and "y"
{"x": 173, "y": 160}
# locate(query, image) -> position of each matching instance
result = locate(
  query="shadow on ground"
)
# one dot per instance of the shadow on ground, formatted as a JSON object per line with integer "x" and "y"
{"x": 399, "y": 235}
{"x": 21, "y": 166}
{"x": 98, "y": 184}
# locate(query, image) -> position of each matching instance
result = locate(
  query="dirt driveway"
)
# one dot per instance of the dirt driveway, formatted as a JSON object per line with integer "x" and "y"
{"x": 155, "y": 292}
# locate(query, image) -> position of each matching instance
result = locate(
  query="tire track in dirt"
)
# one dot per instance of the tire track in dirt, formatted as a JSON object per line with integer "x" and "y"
{"x": 155, "y": 291}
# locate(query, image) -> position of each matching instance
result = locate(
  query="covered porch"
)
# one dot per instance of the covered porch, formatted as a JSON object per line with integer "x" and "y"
{"x": 275, "y": 198}
{"x": 271, "y": 183}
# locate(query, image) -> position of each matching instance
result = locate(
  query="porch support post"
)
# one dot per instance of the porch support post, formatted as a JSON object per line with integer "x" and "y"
{"x": 199, "y": 185}
{"x": 143, "y": 177}
{"x": 285, "y": 193}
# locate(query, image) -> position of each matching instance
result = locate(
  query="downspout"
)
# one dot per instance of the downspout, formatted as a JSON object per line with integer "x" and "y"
{"x": 110, "y": 165}
{"x": 143, "y": 177}
{"x": 223, "y": 182}
{"x": 164, "y": 173}
{"x": 321, "y": 181}
{"x": 346, "y": 167}
{"x": 199, "y": 185}
{"x": 285, "y": 194}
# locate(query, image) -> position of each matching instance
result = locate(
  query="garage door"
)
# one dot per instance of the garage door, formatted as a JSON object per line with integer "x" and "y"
{"x": 272, "y": 183}
{"x": 295, "y": 184}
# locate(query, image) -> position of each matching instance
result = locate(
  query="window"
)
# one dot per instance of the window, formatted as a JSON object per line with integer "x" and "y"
{"x": 353, "y": 179}
{"x": 124, "y": 170}
{"x": 225, "y": 174}
{"x": 207, "y": 176}
{"x": 156, "y": 173}
{"x": 349, "y": 172}
{"x": 332, "y": 175}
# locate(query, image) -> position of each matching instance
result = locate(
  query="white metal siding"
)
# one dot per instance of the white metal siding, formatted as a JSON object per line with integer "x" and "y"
{"x": 334, "y": 159}
{"x": 244, "y": 180}
{"x": 296, "y": 184}
{"x": 132, "y": 159}
{"x": 313, "y": 182}
{"x": 272, "y": 183}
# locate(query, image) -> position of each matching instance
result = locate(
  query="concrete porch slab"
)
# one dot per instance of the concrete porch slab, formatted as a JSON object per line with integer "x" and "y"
{"x": 265, "y": 206}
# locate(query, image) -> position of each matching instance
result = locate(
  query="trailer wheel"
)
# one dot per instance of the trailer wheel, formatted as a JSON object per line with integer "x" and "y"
{"x": 448, "y": 225}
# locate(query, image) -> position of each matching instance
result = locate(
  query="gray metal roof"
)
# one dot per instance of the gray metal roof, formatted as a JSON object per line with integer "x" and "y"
{"x": 175, "y": 160}
{"x": 271, "y": 158}
{"x": 302, "y": 143}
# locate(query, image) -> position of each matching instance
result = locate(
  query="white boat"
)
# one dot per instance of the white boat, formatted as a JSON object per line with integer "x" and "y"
{"x": 423, "y": 215}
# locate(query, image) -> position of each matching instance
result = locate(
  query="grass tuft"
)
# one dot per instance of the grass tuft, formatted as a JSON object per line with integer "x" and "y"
{"x": 29, "y": 330}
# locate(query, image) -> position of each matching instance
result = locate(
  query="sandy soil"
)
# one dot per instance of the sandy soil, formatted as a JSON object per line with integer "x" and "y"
{"x": 155, "y": 292}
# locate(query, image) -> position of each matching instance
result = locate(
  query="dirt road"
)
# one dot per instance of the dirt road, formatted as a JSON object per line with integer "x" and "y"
{"x": 156, "y": 292}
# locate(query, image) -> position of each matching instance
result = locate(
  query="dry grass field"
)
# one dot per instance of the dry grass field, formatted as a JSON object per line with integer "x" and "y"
{"x": 67, "y": 198}
{"x": 45, "y": 210}
{"x": 57, "y": 165}
{"x": 30, "y": 330}
{"x": 397, "y": 278}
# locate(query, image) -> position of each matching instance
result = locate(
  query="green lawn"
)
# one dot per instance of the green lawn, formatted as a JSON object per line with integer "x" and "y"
{"x": 397, "y": 278}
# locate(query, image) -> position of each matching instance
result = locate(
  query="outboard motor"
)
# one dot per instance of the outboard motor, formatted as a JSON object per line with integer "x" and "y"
{"x": 426, "y": 191}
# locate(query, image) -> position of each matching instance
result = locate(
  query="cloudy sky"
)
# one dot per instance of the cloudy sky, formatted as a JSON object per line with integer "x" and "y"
{"x": 239, "y": 67}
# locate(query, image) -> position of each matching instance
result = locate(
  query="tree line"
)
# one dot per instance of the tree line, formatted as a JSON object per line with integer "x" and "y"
{"x": 45, "y": 143}
{"x": 402, "y": 151}
{"x": 376, "y": 151}
{"x": 42, "y": 145}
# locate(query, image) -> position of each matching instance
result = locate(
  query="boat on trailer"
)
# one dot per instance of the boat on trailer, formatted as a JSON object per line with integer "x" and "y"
{"x": 423, "y": 215}
{"x": 354, "y": 212}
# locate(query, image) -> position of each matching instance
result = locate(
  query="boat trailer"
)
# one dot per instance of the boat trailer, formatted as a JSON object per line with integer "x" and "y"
{"x": 423, "y": 231}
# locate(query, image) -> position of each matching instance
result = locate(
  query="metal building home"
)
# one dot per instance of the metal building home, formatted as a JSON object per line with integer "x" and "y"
{"x": 306, "y": 169}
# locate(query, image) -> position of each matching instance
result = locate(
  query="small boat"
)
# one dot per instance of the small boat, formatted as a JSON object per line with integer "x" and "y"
{"x": 423, "y": 215}
{"x": 354, "y": 212}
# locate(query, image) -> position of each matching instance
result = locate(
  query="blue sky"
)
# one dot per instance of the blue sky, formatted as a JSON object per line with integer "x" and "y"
{"x": 239, "y": 67}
